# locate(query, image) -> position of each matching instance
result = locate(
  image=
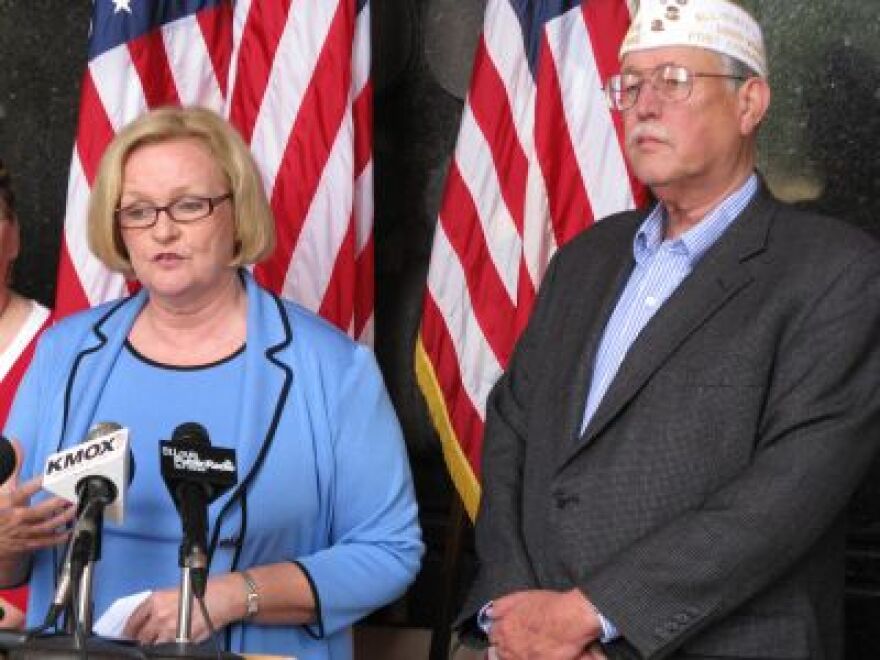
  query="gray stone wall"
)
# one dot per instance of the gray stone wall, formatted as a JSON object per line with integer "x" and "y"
{"x": 42, "y": 55}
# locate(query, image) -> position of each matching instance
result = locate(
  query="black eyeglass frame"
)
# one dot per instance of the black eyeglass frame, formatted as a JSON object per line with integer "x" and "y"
{"x": 653, "y": 78}
{"x": 213, "y": 203}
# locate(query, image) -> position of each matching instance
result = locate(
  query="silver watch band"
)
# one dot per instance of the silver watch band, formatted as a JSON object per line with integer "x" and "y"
{"x": 253, "y": 596}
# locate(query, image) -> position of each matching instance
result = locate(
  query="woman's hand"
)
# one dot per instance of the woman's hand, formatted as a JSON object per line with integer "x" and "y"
{"x": 25, "y": 528}
{"x": 285, "y": 597}
{"x": 154, "y": 621}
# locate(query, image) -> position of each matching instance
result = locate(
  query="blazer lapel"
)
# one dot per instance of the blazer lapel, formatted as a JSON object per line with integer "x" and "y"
{"x": 92, "y": 366}
{"x": 583, "y": 328}
{"x": 719, "y": 276}
{"x": 267, "y": 384}
{"x": 267, "y": 380}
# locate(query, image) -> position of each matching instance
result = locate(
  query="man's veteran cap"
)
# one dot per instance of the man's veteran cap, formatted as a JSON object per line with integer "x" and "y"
{"x": 716, "y": 25}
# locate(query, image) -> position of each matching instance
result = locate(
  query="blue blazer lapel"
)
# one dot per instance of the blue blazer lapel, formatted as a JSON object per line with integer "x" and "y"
{"x": 267, "y": 384}
{"x": 92, "y": 366}
{"x": 267, "y": 379}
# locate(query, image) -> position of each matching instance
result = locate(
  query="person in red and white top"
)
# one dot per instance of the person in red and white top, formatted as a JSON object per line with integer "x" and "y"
{"x": 21, "y": 322}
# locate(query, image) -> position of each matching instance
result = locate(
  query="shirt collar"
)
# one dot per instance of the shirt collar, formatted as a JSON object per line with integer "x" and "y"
{"x": 698, "y": 239}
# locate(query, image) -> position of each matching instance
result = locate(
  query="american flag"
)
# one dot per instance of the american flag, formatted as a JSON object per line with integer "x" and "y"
{"x": 294, "y": 78}
{"x": 539, "y": 158}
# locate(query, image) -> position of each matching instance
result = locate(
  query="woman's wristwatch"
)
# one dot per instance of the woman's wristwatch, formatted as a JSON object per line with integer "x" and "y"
{"x": 253, "y": 596}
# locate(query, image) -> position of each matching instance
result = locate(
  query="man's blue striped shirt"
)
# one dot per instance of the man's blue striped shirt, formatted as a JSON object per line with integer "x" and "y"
{"x": 661, "y": 266}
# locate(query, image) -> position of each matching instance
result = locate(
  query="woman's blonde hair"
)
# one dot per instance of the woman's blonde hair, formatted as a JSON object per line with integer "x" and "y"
{"x": 254, "y": 225}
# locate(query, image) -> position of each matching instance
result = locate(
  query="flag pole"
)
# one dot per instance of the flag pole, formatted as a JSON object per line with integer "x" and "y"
{"x": 456, "y": 526}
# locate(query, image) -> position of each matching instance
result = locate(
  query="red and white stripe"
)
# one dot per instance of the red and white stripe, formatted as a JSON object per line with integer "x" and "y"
{"x": 293, "y": 77}
{"x": 538, "y": 159}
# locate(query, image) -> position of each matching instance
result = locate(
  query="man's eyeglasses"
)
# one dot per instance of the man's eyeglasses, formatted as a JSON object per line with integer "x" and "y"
{"x": 672, "y": 82}
{"x": 182, "y": 211}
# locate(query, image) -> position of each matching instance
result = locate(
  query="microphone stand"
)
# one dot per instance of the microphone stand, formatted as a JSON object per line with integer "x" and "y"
{"x": 77, "y": 642}
{"x": 84, "y": 607}
{"x": 191, "y": 498}
{"x": 194, "y": 567}
{"x": 193, "y": 580}
{"x": 97, "y": 493}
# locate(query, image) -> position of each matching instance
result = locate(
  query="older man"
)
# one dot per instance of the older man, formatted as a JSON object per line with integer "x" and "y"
{"x": 669, "y": 455}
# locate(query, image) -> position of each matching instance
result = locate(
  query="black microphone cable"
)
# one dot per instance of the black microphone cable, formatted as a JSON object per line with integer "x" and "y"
{"x": 77, "y": 555}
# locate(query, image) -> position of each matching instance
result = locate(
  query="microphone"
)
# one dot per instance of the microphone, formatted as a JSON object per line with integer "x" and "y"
{"x": 99, "y": 469}
{"x": 8, "y": 459}
{"x": 196, "y": 474}
{"x": 95, "y": 475}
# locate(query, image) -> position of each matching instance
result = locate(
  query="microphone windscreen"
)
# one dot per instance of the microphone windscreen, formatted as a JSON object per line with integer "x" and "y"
{"x": 192, "y": 433}
{"x": 101, "y": 428}
{"x": 189, "y": 459}
{"x": 7, "y": 459}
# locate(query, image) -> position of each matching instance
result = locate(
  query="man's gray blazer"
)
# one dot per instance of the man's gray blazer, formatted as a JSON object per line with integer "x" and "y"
{"x": 702, "y": 509}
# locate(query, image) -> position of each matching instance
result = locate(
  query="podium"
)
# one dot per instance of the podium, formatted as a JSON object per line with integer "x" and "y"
{"x": 62, "y": 647}
{"x": 16, "y": 646}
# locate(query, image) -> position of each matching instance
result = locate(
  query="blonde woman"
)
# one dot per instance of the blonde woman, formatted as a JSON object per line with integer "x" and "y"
{"x": 322, "y": 527}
